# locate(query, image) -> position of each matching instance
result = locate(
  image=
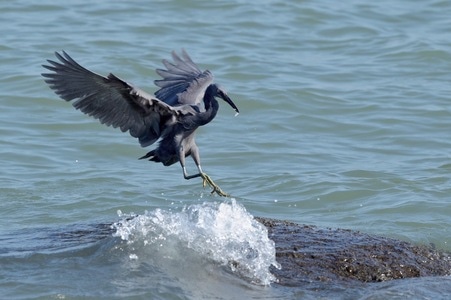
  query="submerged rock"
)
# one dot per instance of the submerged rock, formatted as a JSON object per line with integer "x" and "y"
{"x": 307, "y": 253}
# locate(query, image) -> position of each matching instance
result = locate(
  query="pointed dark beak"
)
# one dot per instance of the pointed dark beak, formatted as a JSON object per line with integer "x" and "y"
{"x": 229, "y": 101}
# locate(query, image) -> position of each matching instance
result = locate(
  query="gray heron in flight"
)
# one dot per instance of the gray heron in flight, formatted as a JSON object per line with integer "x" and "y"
{"x": 186, "y": 100}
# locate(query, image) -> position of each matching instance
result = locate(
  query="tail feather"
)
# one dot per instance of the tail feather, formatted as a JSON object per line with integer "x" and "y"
{"x": 150, "y": 155}
{"x": 166, "y": 160}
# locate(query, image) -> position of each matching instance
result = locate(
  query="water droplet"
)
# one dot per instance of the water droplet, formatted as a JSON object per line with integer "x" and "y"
{"x": 223, "y": 233}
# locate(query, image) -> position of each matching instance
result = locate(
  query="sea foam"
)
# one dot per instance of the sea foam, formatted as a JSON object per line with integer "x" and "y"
{"x": 223, "y": 233}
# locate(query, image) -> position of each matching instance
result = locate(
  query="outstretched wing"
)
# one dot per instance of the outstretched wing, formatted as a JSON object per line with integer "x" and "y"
{"x": 111, "y": 100}
{"x": 183, "y": 82}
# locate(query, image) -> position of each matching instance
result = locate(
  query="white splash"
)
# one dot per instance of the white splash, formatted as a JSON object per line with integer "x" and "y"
{"x": 224, "y": 233}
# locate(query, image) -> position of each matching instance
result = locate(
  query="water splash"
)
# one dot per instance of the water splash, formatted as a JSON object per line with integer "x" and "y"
{"x": 224, "y": 233}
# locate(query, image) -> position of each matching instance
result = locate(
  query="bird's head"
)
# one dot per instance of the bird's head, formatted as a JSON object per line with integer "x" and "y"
{"x": 221, "y": 93}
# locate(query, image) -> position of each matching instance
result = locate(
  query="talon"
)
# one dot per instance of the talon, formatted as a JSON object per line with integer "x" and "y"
{"x": 216, "y": 189}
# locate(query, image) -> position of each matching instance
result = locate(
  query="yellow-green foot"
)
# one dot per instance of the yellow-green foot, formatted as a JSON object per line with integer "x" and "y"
{"x": 216, "y": 189}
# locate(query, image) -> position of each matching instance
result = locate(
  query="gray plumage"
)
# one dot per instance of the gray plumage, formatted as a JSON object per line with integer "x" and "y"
{"x": 185, "y": 101}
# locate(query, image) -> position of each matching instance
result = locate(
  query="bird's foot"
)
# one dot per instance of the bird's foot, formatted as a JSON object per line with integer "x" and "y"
{"x": 216, "y": 189}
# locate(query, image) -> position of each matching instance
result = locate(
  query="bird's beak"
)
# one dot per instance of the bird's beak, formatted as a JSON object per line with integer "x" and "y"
{"x": 230, "y": 102}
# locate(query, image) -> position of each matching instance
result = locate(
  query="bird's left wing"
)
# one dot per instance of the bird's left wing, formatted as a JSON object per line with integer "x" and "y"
{"x": 183, "y": 82}
{"x": 111, "y": 100}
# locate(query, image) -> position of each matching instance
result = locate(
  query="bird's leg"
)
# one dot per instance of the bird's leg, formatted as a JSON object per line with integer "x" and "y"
{"x": 206, "y": 179}
{"x": 182, "y": 163}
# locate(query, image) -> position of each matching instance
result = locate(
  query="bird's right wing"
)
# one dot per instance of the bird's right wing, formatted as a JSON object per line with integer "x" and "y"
{"x": 183, "y": 82}
{"x": 111, "y": 100}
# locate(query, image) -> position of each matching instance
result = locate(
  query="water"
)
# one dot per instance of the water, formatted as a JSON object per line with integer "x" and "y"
{"x": 345, "y": 122}
{"x": 224, "y": 233}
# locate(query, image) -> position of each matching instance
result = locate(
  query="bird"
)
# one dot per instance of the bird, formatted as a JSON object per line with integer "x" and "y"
{"x": 185, "y": 100}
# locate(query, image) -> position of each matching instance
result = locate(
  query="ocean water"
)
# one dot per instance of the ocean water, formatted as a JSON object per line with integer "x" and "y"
{"x": 345, "y": 122}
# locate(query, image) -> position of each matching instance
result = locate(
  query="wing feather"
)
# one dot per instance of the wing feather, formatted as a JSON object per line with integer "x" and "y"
{"x": 111, "y": 100}
{"x": 182, "y": 82}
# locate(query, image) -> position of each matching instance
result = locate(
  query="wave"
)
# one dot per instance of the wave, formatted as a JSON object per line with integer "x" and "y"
{"x": 223, "y": 233}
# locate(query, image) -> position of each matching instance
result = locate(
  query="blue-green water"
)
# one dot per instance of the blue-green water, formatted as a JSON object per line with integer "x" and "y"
{"x": 345, "y": 122}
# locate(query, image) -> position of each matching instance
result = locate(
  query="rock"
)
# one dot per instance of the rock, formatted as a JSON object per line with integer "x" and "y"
{"x": 308, "y": 253}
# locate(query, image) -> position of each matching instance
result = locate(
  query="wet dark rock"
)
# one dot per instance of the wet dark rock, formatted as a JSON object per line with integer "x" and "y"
{"x": 309, "y": 253}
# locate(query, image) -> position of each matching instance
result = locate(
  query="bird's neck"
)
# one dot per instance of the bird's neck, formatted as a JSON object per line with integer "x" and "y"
{"x": 211, "y": 108}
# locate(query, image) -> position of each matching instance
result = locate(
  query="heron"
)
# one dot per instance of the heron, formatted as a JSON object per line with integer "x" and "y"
{"x": 186, "y": 99}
